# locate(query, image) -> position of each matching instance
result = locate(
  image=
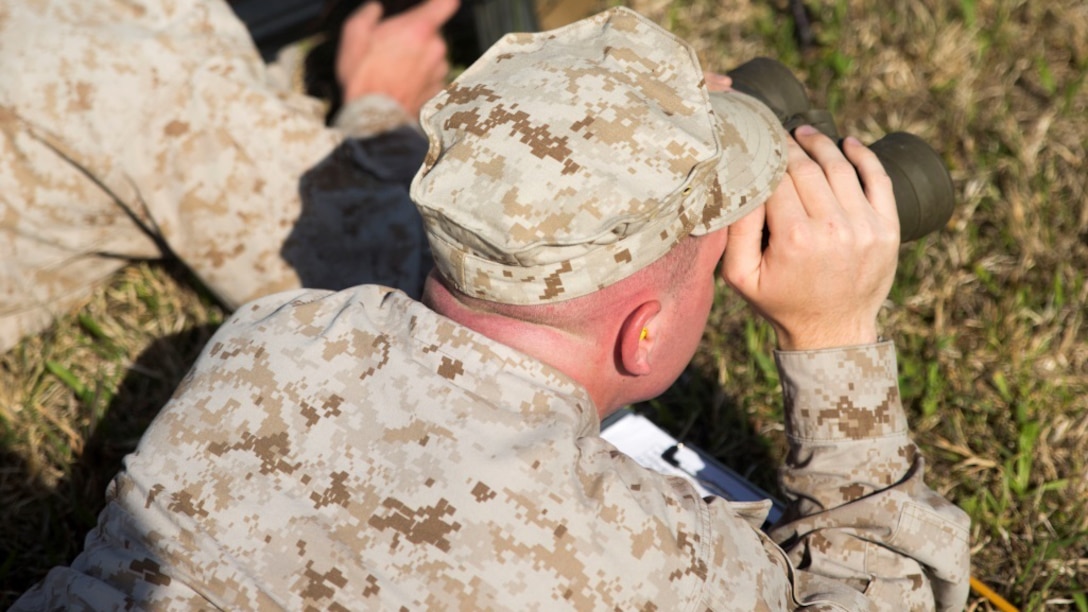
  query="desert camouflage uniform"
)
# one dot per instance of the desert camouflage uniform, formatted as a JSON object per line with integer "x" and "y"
{"x": 355, "y": 450}
{"x": 136, "y": 129}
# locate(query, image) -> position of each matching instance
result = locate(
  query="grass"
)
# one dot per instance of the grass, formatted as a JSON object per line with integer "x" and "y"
{"x": 989, "y": 313}
{"x": 76, "y": 399}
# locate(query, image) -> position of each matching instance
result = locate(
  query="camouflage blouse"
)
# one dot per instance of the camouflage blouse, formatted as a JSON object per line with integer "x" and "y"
{"x": 355, "y": 450}
{"x": 147, "y": 129}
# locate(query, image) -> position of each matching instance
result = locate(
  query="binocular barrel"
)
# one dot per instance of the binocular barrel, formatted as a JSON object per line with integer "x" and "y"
{"x": 923, "y": 189}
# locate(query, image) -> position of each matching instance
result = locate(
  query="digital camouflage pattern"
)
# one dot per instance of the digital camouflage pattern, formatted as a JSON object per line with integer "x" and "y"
{"x": 836, "y": 476}
{"x": 355, "y": 451}
{"x": 562, "y": 162}
{"x": 143, "y": 128}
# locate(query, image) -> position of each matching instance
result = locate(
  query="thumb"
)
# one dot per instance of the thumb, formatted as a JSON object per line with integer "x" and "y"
{"x": 355, "y": 37}
{"x": 364, "y": 19}
{"x": 434, "y": 12}
{"x": 744, "y": 250}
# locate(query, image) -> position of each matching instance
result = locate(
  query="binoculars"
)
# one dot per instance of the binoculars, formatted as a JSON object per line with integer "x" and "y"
{"x": 922, "y": 184}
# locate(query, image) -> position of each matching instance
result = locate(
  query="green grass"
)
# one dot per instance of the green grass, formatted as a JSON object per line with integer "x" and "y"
{"x": 75, "y": 400}
{"x": 989, "y": 314}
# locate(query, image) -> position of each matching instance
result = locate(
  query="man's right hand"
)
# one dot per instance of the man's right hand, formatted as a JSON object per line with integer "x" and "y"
{"x": 403, "y": 57}
{"x": 833, "y": 247}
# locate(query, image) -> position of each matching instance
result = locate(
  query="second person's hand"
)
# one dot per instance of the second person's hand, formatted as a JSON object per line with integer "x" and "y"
{"x": 403, "y": 57}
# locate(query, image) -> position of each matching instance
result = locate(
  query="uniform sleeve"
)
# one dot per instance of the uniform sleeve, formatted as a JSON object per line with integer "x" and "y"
{"x": 165, "y": 118}
{"x": 372, "y": 114}
{"x": 860, "y": 512}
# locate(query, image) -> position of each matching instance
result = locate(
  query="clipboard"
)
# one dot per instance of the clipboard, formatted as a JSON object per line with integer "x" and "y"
{"x": 655, "y": 449}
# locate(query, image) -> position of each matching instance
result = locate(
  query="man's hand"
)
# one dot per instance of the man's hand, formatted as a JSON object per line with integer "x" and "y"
{"x": 833, "y": 246}
{"x": 717, "y": 82}
{"x": 403, "y": 57}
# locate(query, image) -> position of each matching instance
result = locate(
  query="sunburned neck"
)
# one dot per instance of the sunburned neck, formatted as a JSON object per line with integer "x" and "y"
{"x": 573, "y": 354}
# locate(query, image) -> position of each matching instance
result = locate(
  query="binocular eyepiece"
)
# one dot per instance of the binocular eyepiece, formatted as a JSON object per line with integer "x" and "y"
{"x": 922, "y": 185}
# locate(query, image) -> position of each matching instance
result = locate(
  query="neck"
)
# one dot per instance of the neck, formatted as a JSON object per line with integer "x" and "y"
{"x": 576, "y": 355}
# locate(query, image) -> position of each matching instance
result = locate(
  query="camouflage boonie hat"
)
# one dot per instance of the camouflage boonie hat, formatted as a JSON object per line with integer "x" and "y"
{"x": 564, "y": 161}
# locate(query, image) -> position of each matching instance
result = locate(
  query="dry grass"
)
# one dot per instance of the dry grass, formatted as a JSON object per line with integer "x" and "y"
{"x": 75, "y": 400}
{"x": 989, "y": 313}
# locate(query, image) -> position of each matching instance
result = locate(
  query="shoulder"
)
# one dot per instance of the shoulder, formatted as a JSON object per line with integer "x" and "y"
{"x": 306, "y": 314}
{"x": 301, "y": 338}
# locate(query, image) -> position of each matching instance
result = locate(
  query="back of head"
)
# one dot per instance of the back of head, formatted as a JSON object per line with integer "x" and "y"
{"x": 563, "y": 162}
{"x": 587, "y": 314}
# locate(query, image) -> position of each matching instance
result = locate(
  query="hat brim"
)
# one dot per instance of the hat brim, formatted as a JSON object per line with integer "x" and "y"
{"x": 753, "y": 159}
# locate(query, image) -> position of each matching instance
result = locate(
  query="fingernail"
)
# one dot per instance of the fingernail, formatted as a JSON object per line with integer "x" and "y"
{"x": 805, "y": 130}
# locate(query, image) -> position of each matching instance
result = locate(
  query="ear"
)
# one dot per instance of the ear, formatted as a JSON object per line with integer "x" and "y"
{"x": 637, "y": 338}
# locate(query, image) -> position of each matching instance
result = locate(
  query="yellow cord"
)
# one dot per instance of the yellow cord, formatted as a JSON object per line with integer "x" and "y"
{"x": 993, "y": 597}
